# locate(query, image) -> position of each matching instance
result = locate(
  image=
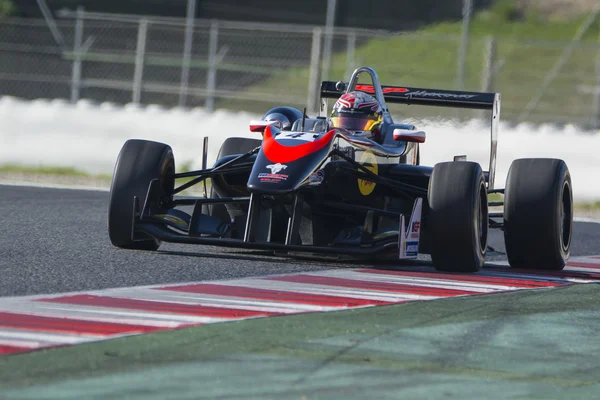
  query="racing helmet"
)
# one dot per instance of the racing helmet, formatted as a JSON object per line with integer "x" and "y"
{"x": 285, "y": 116}
{"x": 283, "y": 121}
{"x": 359, "y": 113}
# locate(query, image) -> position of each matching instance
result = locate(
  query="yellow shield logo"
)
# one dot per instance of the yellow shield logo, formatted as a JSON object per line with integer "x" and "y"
{"x": 369, "y": 161}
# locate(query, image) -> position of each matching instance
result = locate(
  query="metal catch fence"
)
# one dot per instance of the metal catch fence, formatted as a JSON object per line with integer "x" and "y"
{"x": 253, "y": 66}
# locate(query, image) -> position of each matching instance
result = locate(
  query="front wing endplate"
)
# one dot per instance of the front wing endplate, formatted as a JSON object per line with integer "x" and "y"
{"x": 408, "y": 239}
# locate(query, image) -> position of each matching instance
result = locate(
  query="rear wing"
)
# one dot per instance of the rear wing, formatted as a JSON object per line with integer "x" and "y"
{"x": 425, "y": 97}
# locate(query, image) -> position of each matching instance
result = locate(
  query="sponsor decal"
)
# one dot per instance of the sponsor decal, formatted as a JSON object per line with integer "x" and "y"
{"x": 370, "y": 162}
{"x": 370, "y": 89}
{"x": 416, "y": 226}
{"x": 412, "y": 249}
{"x": 275, "y": 178}
{"x": 423, "y": 93}
{"x": 276, "y": 168}
{"x": 415, "y": 230}
{"x": 418, "y": 93}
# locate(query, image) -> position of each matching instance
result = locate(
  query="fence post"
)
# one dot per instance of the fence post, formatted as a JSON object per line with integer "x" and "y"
{"x": 464, "y": 44}
{"x": 489, "y": 68}
{"x": 351, "y": 52}
{"x": 596, "y": 110}
{"x": 77, "y": 44}
{"x": 327, "y": 51}
{"x": 313, "y": 80}
{"x": 489, "y": 62}
{"x": 211, "y": 80}
{"x": 187, "y": 52}
{"x": 140, "y": 53}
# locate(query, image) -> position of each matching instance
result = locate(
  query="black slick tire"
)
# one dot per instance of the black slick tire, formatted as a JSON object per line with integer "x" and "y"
{"x": 231, "y": 146}
{"x": 458, "y": 216}
{"x": 538, "y": 214}
{"x": 139, "y": 162}
{"x": 235, "y": 145}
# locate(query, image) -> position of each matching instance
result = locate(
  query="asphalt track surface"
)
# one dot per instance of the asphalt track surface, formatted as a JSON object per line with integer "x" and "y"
{"x": 56, "y": 240}
{"x": 526, "y": 344}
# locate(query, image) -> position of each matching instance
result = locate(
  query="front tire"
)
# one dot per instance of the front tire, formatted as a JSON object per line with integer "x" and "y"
{"x": 139, "y": 162}
{"x": 538, "y": 214}
{"x": 458, "y": 218}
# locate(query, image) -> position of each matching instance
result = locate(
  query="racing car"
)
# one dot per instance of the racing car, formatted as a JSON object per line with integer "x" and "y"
{"x": 334, "y": 185}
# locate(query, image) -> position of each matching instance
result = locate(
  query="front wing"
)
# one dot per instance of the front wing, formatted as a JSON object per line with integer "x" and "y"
{"x": 177, "y": 227}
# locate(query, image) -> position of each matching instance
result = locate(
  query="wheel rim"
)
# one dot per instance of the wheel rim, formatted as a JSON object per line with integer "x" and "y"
{"x": 565, "y": 217}
{"x": 481, "y": 219}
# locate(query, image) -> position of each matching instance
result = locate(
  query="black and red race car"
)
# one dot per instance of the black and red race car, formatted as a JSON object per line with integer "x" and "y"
{"x": 307, "y": 187}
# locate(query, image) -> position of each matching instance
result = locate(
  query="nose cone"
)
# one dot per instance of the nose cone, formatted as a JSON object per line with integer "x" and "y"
{"x": 284, "y": 162}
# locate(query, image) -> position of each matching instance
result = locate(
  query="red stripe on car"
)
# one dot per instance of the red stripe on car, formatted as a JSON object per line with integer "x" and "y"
{"x": 278, "y": 153}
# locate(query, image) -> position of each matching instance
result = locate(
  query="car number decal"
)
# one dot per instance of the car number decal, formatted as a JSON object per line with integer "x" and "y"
{"x": 303, "y": 136}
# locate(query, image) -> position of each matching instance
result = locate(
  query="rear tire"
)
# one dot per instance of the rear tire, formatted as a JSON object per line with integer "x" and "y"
{"x": 231, "y": 146}
{"x": 458, "y": 217}
{"x": 236, "y": 145}
{"x": 538, "y": 214}
{"x": 139, "y": 162}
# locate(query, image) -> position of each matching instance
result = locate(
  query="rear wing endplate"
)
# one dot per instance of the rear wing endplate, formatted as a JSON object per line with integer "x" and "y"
{"x": 424, "y": 97}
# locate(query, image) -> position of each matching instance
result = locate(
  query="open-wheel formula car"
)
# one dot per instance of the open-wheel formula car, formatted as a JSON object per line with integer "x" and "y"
{"x": 349, "y": 184}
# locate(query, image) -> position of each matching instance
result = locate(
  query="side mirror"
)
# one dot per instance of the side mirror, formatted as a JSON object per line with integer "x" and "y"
{"x": 259, "y": 126}
{"x": 407, "y": 135}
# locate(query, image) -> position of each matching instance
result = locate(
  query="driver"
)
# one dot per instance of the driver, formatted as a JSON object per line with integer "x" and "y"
{"x": 359, "y": 113}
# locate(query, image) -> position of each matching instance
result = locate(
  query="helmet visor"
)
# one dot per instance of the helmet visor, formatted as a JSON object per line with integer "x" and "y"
{"x": 353, "y": 123}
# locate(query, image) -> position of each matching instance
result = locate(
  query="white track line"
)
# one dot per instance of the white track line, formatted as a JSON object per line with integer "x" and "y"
{"x": 327, "y": 290}
{"x": 209, "y": 300}
{"x": 106, "y": 314}
{"x": 54, "y": 186}
{"x": 417, "y": 282}
{"x": 584, "y": 259}
{"x": 19, "y": 343}
{"x": 46, "y": 337}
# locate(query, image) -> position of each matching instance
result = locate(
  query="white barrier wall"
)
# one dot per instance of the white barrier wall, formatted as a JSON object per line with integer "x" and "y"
{"x": 89, "y": 137}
